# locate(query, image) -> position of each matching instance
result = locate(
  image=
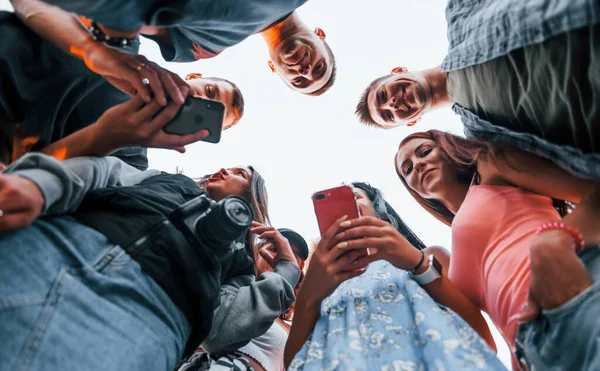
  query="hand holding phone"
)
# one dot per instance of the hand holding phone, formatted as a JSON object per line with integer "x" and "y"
{"x": 136, "y": 123}
{"x": 198, "y": 114}
{"x": 332, "y": 204}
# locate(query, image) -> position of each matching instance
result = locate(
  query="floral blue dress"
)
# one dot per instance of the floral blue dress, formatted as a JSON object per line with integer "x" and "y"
{"x": 383, "y": 320}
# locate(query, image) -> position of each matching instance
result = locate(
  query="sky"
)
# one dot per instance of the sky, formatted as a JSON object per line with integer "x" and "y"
{"x": 303, "y": 144}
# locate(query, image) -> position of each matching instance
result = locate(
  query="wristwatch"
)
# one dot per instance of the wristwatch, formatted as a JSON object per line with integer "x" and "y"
{"x": 432, "y": 273}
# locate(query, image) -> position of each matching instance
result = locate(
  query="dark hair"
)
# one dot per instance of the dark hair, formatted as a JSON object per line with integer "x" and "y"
{"x": 362, "y": 108}
{"x": 256, "y": 195}
{"x": 237, "y": 101}
{"x": 331, "y": 80}
{"x": 386, "y": 212}
{"x": 462, "y": 154}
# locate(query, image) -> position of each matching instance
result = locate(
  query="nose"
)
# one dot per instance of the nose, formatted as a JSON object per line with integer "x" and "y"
{"x": 223, "y": 171}
{"x": 420, "y": 167}
{"x": 305, "y": 69}
{"x": 391, "y": 104}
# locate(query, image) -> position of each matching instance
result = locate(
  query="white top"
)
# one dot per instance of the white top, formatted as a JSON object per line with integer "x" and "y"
{"x": 268, "y": 348}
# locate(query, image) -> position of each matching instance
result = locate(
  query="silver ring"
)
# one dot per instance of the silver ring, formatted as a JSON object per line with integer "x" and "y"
{"x": 145, "y": 81}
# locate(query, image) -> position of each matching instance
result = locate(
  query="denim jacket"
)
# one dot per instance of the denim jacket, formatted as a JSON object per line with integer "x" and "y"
{"x": 481, "y": 30}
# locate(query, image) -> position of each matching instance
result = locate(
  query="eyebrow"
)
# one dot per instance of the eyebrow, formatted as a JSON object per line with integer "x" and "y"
{"x": 379, "y": 96}
{"x": 248, "y": 176}
{"x": 387, "y": 118}
{"x": 323, "y": 69}
{"x": 304, "y": 83}
{"x": 419, "y": 147}
{"x": 380, "y": 101}
{"x": 415, "y": 151}
{"x": 236, "y": 169}
{"x": 217, "y": 91}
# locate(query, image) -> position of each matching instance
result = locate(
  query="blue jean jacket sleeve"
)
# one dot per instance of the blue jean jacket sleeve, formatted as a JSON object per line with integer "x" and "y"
{"x": 248, "y": 307}
{"x": 65, "y": 183}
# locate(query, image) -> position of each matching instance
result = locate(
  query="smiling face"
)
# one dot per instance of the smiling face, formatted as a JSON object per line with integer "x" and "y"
{"x": 398, "y": 99}
{"x": 420, "y": 163}
{"x": 229, "y": 182}
{"x": 303, "y": 61}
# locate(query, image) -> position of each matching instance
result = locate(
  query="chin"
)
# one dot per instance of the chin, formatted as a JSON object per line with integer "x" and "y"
{"x": 211, "y": 188}
{"x": 434, "y": 187}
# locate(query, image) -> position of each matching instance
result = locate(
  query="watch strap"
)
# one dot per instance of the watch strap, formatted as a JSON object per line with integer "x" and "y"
{"x": 431, "y": 274}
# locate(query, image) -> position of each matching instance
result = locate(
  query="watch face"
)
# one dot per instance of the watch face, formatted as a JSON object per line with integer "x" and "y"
{"x": 437, "y": 265}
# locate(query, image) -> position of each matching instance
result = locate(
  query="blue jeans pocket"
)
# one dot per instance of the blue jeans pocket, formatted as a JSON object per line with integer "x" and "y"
{"x": 554, "y": 315}
{"x": 97, "y": 318}
{"x": 71, "y": 300}
{"x": 558, "y": 339}
{"x": 66, "y": 314}
{"x": 23, "y": 323}
{"x": 114, "y": 259}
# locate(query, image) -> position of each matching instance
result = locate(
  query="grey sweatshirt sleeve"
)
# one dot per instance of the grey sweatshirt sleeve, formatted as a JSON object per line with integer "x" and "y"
{"x": 248, "y": 307}
{"x": 65, "y": 183}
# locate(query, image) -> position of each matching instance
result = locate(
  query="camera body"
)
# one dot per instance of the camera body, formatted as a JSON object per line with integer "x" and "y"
{"x": 214, "y": 227}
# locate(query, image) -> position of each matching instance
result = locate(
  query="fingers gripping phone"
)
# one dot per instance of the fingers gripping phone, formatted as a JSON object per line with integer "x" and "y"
{"x": 198, "y": 114}
{"x": 332, "y": 204}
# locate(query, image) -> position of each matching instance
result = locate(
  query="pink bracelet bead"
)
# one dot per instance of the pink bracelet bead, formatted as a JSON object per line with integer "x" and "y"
{"x": 574, "y": 232}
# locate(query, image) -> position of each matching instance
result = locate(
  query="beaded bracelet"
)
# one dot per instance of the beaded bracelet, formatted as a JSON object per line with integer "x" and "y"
{"x": 100, "y": 36}
{"x": 574, "y": 232}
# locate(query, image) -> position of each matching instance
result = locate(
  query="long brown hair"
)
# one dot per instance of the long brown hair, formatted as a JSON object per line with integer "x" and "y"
{"x": 385, "y": 211}
{"x": 462, "y": 154}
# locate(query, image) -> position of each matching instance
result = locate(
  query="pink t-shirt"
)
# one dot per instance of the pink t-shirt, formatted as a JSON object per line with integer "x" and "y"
{"x": 491, "y": 236}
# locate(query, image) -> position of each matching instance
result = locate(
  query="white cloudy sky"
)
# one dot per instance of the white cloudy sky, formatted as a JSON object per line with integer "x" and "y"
{"x": 304, "y": 144}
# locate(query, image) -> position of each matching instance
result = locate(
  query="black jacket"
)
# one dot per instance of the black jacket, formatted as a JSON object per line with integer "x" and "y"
{"x": 137, "y": 219}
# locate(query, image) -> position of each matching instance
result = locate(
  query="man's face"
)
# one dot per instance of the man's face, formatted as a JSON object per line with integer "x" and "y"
{"x": 303, "y": 62}
{"x": 398, "y": 99}
{"x": 215, "y": 90}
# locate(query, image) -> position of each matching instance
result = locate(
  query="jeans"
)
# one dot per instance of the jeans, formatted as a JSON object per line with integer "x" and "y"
{"x": 71, "y": 300}
{"x": 566, "y": 337}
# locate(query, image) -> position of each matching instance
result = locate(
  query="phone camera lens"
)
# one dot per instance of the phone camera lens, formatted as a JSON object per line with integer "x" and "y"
{"x": 320, "y": 196}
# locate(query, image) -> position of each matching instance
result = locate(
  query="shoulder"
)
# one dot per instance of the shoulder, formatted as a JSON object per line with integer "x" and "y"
{"x": 491, "y": 172}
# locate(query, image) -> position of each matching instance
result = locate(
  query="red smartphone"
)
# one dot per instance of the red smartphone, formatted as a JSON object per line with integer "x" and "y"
{"x": 331, "y": 204}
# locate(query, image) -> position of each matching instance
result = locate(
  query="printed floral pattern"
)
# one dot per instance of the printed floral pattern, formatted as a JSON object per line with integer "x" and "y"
{"x": 383, "y": 320}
